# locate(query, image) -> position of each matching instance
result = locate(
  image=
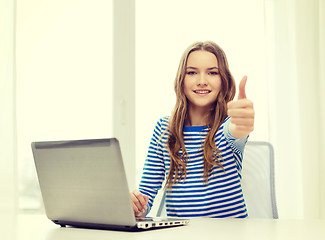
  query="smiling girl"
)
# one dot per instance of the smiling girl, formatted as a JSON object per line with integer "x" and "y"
{"x": 199, "y": 148}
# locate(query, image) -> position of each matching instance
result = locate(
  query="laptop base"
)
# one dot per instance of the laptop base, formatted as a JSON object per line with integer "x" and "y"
{"x": 140, "y": 226}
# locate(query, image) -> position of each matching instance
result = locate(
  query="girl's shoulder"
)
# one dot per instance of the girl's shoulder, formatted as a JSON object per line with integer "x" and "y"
{"x": 162, "y": 123}
{"x": 165, "y": 119}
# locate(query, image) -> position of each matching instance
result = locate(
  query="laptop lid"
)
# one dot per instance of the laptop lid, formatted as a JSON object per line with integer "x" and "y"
{"x": 83, "y": 182}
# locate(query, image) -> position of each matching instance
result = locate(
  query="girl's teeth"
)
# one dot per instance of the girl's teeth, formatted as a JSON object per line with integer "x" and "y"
{"x": 202, "y": 91}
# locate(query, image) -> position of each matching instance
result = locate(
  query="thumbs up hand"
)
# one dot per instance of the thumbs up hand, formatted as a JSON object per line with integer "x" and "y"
{"x": 242, "y": 113}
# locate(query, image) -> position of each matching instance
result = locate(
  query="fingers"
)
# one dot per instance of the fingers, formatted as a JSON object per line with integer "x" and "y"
{"x": 139, "y": 202}
{"x": 241, "y": 109}
{"x": 244, "y": 130}
{"x": 242, "y": 121}
{"x": 242, "y": 103}
{"x": 242, "y": 117}
{"x": 243, "y": 124}
{"x": 241, "y": 112}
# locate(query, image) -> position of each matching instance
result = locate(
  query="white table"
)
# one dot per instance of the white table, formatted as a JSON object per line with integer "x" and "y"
{"x": 38, "y": 227}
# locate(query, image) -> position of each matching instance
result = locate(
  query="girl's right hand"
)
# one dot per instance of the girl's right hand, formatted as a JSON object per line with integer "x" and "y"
{"x": 139, "y": 203}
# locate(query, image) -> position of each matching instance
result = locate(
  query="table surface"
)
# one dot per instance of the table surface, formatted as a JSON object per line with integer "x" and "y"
{"x": 38, "y": 227}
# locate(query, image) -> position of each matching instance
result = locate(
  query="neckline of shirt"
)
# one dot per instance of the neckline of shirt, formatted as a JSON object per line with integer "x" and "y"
{"x": 195, "y": 128}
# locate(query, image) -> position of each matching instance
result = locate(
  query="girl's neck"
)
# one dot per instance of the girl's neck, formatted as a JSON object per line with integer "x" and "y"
{"x": 197, "y": 117}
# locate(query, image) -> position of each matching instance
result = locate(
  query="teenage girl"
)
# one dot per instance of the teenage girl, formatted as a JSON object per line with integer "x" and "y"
{"x": 199, "y": 148}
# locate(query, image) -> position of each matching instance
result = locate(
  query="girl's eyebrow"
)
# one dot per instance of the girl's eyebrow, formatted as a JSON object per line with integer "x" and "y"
{"x": 207, "y": 68}
{"x": 213, "y": 68}
{"x": 191, "y": 67}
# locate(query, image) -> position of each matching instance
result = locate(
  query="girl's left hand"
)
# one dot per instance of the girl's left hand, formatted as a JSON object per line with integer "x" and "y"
{"x": 242, "y": 113}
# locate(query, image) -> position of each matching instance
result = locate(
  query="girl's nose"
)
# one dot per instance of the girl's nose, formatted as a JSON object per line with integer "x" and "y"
{"x": 202, "y": 80}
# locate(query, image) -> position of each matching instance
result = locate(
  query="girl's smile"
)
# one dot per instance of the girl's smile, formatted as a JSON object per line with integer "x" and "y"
{"x": 202, "y": 92}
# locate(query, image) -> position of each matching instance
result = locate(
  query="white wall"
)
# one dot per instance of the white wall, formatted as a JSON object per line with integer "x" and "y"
{"x": 8, "y": 161}
{"x": 321, "y": 28}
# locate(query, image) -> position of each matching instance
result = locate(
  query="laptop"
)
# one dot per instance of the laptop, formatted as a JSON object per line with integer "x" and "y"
{"x": 83, "y": 184}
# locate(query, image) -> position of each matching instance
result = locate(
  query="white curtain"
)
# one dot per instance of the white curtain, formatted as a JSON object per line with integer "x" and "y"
{"x": 8, "y": 167}
{"x": 296, "y": 69}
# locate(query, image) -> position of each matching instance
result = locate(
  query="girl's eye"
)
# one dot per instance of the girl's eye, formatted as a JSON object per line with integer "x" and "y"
{"x": 213, "y": 73}
{"x": 191, "y": 73}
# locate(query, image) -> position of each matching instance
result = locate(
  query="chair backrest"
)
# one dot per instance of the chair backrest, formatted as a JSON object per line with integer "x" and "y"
{"x": 257, "y": 182}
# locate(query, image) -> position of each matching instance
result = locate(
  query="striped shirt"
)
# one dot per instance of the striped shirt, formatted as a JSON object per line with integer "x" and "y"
{"x": 220, "y": 197}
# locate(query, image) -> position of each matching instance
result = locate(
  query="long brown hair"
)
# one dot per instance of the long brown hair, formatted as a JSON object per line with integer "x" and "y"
{"x": 217, "y": 115}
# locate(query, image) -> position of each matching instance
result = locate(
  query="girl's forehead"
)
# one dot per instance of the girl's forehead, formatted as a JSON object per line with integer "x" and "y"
{"x": 202, "y": 58}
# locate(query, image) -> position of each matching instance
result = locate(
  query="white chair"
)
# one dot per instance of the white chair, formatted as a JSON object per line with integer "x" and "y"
{"x": 257, "y": 182}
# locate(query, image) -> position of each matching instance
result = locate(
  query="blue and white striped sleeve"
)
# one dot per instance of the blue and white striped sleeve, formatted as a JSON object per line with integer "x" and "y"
{"x": 154, "y": 168}
{"x": 238, "y": 144}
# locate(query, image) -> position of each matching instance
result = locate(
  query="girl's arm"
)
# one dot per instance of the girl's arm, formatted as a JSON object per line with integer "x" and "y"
{"x": 153, "y": 173}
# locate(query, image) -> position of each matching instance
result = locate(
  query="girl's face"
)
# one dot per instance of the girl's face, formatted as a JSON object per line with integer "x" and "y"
{"x": 202, "y": 81}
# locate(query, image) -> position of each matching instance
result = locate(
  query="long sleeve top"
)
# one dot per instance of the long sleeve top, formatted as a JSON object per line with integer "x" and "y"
{"x": 192, "y": 196}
